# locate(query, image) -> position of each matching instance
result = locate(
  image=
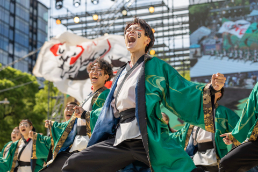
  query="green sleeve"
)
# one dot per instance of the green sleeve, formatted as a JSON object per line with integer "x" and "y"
{"x": 100, "y": 100}
{"x": 189, "y": 101}
{"x": 181, "y": 135}
{"x": 225, "y": 122}
{"x": 41, "y": 146}
{"x": 94, "y": 117}
{"x": 96, "y": 108}
{"x": 39, "y": 164}
{"x": 2, "y": 152}
{"x": 247, "y": 126}
{"x": 57, "y": 130}
{"x": 6, "y": 163}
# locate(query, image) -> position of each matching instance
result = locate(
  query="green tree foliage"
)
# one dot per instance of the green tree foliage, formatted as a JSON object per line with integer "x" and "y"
{"x": 22, "y": 101}
{"x": 41, "y": 106}
{"x": 26, "y": 102}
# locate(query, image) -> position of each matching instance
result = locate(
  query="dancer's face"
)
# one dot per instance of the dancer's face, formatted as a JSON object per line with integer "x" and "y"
{"x": 15, "y": 135}
{"x": 68, "y": 112}
{"x": 135, "y": 39}
{"x": 25, "y": 128}
{"x": 97, "y": 76}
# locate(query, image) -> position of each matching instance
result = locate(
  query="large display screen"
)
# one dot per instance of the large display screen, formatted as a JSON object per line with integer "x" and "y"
{"x": 224, "y": 38}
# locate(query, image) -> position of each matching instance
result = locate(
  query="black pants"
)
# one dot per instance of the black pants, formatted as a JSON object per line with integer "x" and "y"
{"x": 209, "y": 168}
{"x": 104, "y": 157}
{"x": 58, "y": 163}
{"x": 241, "y": 158}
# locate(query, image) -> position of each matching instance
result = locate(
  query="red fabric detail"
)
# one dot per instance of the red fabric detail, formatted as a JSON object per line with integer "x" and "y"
{"x": 73, "y": 59}
{"x": 108, "y": 84}
{"x": 54, "y": 49}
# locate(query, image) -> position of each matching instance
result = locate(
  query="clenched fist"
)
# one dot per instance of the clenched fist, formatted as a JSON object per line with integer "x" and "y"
{"x": 78, "y": 111}
{"x": 47, "y": 123}
{"x": 218, "y": 80}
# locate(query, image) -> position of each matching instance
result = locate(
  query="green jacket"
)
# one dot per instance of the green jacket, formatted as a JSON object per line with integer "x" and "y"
{"x": 160, "y": 83}
{"x": 225, "y": 121}
{"x": 4, "y": 150}
{"x": 60, "y": 131}
{"x": 247, "y": 126}
{"x": 189, "y": 101}
{"x": 9, "y": 163}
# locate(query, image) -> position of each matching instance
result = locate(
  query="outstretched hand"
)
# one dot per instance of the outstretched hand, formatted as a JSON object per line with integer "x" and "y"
{"x": 78, "y": 110}
{"x": 47, "y": 123}
{"x": 31, "y": 133}
{"x": 226, "y": 140}
{"x": 218, "y": 80}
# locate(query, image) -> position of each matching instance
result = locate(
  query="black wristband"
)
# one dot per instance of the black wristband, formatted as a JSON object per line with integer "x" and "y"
{"x": 83, "y": 115}
{"x": 213, "y": 91}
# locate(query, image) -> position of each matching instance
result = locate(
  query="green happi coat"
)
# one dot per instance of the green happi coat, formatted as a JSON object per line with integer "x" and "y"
{"x": 5, "y": 148}
{"x": 158, "y": 83}
{"x": 188, "y": 101}
{"x": 247, "y": 126}
{"x": 225, "y": 121}
{"x": 9, "y": 163}
{"x": 60, "y": 131}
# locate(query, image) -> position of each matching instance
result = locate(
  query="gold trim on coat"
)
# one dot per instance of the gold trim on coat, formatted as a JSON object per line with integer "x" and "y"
{"x": 207, "y": 110}
{"x": 189, "y": 132}
{"x": 15, "y": 157}
{"x": 34, "y": 141}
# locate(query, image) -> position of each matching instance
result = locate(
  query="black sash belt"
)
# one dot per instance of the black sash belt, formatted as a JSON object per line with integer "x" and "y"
{"x": 81, "y": 130}
{"x": 22, "y": 163}
{"x": 127, "y": 115}
{"x": 202, "y": 147}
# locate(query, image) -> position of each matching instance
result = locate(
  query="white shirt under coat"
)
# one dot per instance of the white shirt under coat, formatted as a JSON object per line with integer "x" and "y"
{"x": 25, "y": 156}
{"x": 207, "y": 158}
{"x": 81, "y": 142}
{"x": 126, "y": 100}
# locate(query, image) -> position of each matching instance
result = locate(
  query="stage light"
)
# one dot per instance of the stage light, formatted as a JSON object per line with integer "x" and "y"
{"x": 153, "y": 30}
{"x": 59, "y": 4}
{"x": 76, "y": 3}
{"x": 95, "y": 17}
{"x": 152, "y": 52}
{"x": 58, "y": 21}
{"x": 95, "y": 2}
{"x": 76, "y": 19}
{"x": 124, "y": 12}
{"x": 151, "y": 9}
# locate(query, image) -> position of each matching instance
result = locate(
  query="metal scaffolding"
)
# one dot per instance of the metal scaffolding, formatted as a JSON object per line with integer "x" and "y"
{"x": 171, "y": 25}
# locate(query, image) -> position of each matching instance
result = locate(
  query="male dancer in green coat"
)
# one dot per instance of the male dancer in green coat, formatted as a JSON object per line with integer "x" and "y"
{"x": 130, "y": 125}
{"x": 73, "y": 135}
{"x": 245, "y": 156}
{"x": 206, "y": 148}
